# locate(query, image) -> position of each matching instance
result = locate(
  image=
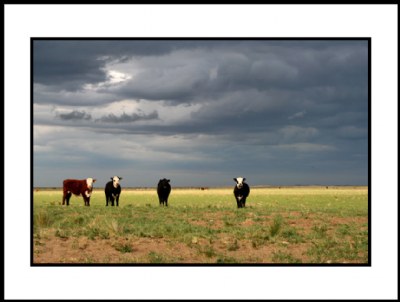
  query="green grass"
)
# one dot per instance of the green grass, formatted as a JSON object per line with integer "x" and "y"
{"x": 330, "y": 225}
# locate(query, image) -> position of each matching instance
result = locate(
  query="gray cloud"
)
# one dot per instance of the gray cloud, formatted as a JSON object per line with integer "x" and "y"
{"x": 74, "y": 115}
{"x": 128, "y": 118}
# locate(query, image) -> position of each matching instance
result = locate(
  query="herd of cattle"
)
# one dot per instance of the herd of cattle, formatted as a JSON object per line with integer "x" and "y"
{"x": 112, "y": 190}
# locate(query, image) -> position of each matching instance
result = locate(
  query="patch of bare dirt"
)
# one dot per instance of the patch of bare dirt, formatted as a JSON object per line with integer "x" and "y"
{"x": 119, "y": 250}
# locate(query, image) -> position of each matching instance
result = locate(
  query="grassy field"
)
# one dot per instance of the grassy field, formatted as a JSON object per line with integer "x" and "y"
{"x": 288, "y": 225}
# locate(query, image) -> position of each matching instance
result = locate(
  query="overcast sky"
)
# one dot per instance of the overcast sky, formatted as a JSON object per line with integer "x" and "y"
{"x": 200, "y": 112}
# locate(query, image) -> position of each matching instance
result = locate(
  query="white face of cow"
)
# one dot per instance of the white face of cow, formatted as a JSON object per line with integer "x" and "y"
{"x": 116, "y": 180}
{"x": 89, "y": 182}
{"x": 239, "y": 181}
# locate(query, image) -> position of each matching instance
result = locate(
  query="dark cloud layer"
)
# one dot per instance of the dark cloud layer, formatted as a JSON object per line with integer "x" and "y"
{"x": 288, "y": 106}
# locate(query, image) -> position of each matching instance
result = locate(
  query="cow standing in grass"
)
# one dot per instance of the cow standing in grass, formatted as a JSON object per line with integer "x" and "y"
{"x": 241, "y": 191}
{"x": 113, "y": 190}
{"x": 163, "y": 190}
{"x": 77, "y": 187}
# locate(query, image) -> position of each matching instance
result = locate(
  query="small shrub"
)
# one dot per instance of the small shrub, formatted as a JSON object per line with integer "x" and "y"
{"x": 156, "y": 258}
{"x": 344, "y": 229}
{"x": 291, "y": 235}
{"x": 61, "y": 234}
{"x": 123, "y": 248}
{"x": 320, "y": 231}
{"x": 282, "y": 257}
{"x": 275, "y": 227}
{"x": 224, "y": 259}
{"x": 207, "y": 250}
{"x": 234, "y": 246}
{"x": 42, "y": 219}
{"x": 94, "y": 232}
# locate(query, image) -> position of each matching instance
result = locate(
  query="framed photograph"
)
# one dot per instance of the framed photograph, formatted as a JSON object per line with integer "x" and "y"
{"x": 285, "y": 119}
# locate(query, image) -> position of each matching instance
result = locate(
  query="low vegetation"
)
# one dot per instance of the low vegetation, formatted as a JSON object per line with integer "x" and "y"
{"x": 287, "y": 225}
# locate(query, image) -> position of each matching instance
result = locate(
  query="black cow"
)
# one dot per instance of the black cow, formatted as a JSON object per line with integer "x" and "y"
{"x": 163, "y": 190}
{"x": 113, "y": 190}
{"x": 241, "y": 191}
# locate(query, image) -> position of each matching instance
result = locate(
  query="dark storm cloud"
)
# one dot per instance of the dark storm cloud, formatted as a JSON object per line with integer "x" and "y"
{"x": 128, "y": 118}
{"x": 75, "y": 115}
{"x": 69, "y": 64}
{"x": 286, "y": 106}
{"x": 330, "y": 73}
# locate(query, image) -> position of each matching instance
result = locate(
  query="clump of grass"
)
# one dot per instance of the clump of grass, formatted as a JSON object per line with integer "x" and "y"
{"x": 61, "y": 234}
{"x": 79, "y": 221}
{"x": 224, "y": 259}
{"x": 113, "y": 226}
{"x": 344, "y": 229}
{"x": 260, "y": 237}
{"x": 283, "y": 257}
{"x": 324, "y": 251}
{"x": 276, "y": 225}
{"x": 228, "y": 223}
{"x": 206, "y": 250}
{"x": 156, "y": 258}
{"x": 320, "y": 231}
{"x": 42, "y": 219}
{"x": 233, "y": 246}
{"x": 292, "y": 235}
{"x": 123, "y": 248}
{"x": 94, "y": 232}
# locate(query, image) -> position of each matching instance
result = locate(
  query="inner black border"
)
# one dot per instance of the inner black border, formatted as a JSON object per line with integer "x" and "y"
{"x": 368, "y": 264}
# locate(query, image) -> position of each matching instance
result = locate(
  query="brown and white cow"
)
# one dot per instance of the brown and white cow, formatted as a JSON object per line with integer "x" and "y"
{"x": 77, "y": 187}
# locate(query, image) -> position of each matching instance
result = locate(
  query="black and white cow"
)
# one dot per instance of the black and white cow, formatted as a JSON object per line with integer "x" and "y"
{"x": 241, "y": 191}
{"x": 163, "y": 190}
{"x": 113, "y": 190}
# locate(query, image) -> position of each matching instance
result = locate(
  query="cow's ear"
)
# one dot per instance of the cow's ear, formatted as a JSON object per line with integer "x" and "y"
{"x": 94, "y": 180}
{"x": 168, "y": 180}
{"x": 111, "y": 178}
{"x": 244, "y": 179}
{"x": 119, "y": 177}
{"x": 235, "y": 179}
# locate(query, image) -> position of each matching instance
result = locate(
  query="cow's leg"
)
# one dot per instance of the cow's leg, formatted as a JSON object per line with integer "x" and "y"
{"x": 85, "y": 199}
{"x": 244, "y": 202}
{"x": 117, "y": 200}
{"x": 112, "y": 200}
{"x": 241, "y": 200}
{"x": 166, "y": 202}
{"x": 106, "y": 200}
{"x": 68, "y": 196}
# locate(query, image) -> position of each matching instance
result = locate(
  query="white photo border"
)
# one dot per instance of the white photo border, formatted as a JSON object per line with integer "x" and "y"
{"x": 379, "y": 22}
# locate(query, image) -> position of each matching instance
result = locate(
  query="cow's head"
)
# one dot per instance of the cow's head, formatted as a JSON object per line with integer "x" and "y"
{"x": 163, "y": 183}
{"x": 116, "y": 180}
{"x": 89, "y": 182}
{"x": 239, "y": 182}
